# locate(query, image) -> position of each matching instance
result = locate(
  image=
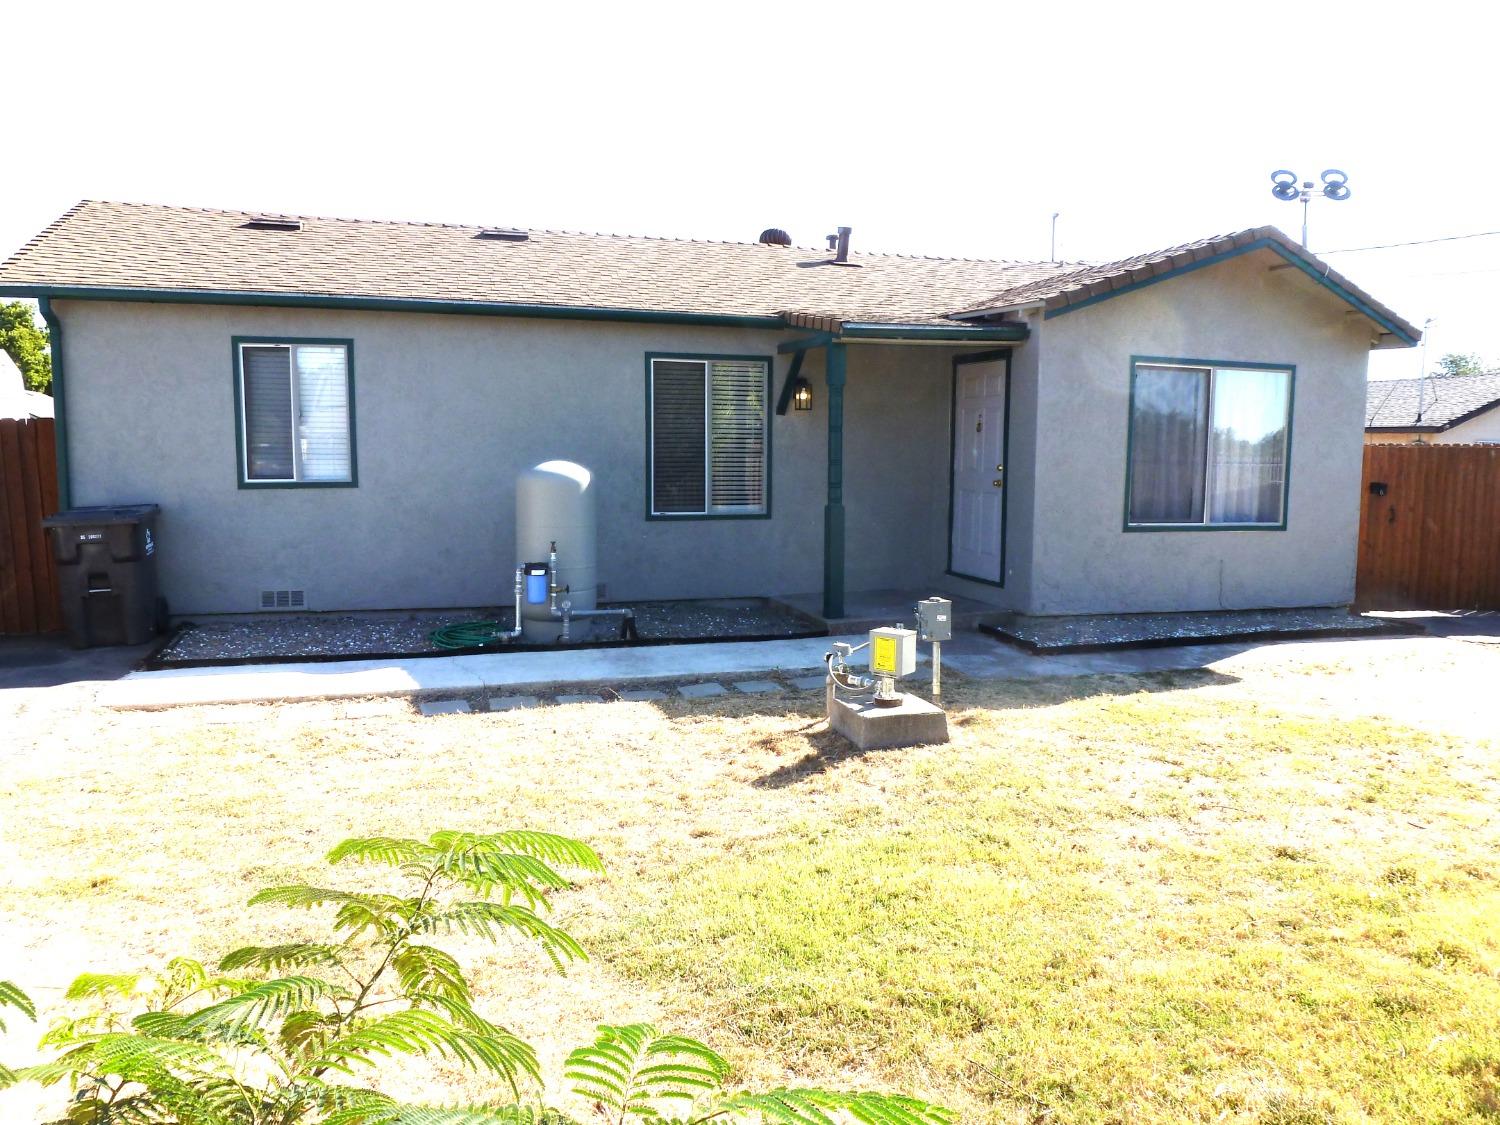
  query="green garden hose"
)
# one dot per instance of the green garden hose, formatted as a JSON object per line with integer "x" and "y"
{"x": 469, "y": 634}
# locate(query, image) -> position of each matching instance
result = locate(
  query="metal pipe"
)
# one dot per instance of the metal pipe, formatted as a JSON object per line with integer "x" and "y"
{"x": 515, "y": 630}
{"x": 937, "y": 670}
{"x": 567, "y": 613}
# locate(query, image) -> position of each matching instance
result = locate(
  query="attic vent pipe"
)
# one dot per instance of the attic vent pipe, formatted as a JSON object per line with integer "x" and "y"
{"x": 839, "y": 244}
{"x": 773, "y": 236}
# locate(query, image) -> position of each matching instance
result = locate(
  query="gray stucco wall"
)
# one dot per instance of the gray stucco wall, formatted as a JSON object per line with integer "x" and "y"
{"x": 449, "y": 409}
{"x": 1239, "y": 310}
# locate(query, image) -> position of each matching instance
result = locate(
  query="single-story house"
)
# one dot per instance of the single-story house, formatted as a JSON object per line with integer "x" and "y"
{"x": 341, "y": 408}
{"x": 1446, "y": 410}
{"x": 15, "y": 400}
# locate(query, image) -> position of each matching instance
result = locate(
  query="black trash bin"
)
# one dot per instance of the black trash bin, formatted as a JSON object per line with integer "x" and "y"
{"x": 106, "y": 569}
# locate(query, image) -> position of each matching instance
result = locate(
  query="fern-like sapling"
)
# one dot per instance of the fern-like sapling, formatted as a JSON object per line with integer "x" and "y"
{"x": 11, "y": 996}
{"x": 279, "y": 1033}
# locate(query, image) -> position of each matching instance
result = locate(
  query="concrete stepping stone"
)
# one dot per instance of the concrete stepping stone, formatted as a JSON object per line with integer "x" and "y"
{"x": 701, "y": 691}
{"x": 444, "y": 707}
{"x": 642, "y": 695}
{"x": 512, "y": 702}
{"x": 579, "y": 699}
{"x": 808, "y": 683}
{"x": 757, "y": 687}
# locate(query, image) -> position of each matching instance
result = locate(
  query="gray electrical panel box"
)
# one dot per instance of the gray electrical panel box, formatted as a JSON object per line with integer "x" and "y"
{"x": 934, "y": 619}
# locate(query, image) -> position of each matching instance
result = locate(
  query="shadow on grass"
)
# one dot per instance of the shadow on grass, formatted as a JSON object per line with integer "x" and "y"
{"x": 827, "y": 750}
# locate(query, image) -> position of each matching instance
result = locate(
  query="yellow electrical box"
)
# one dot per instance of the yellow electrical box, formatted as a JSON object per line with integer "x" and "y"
{"x": 893, "y": 652}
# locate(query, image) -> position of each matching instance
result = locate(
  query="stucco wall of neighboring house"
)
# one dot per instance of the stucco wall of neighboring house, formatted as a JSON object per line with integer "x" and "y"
{"x": 1481, "y": 429}
{"x": 1239, "y": 310}
{"x": 449, "y": 409}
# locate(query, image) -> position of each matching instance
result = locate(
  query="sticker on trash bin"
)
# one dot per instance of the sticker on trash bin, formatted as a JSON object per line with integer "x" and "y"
{"x": 90, "y": 536}
{"x": 150, "y": 546}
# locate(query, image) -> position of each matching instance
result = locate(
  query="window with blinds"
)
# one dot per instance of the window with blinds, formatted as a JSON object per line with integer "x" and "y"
{"x": 295, "y": 413}
{"x": 708, "y": 438}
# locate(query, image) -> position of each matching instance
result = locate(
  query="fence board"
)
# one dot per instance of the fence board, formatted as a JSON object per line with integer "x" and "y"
{"x": 1432, "y": 541}
{"x": 28, "y": 492}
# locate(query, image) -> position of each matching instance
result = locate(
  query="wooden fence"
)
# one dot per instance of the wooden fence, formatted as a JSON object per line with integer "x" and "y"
{"x": 28, "y": 492}
{"x": 1429, "y": 534}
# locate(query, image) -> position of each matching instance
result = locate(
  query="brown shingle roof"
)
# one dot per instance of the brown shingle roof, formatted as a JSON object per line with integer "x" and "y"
{"x": 1087, "y": 283}
{"x": 1403, "y": 404}
{"x": 139, "y": 246}
{"x": 146, "y": 247}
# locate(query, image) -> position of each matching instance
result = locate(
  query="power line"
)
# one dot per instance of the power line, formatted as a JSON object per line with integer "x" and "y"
{"x": 1414, "y": 242}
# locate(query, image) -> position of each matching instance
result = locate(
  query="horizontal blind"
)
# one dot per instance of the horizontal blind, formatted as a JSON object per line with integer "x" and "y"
{"x": 323, "y": 413}
{"x": 678, "y": 431}
{"x": 267, "y": 376}
{"x": 737, "y": 456}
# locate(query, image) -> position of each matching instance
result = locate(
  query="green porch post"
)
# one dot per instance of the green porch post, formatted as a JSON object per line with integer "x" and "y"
{"x": 835, "y": 371}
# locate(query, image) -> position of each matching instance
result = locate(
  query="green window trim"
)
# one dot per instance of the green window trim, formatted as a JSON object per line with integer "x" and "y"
{"x": 1138, "y": 361}
{"x": 706, "y": 358}
{"x": 236, "y": 347}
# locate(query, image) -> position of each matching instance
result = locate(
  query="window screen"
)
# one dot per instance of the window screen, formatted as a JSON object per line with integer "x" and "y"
{"x": 295, "y": 411}
{"x": 708, "y": 436}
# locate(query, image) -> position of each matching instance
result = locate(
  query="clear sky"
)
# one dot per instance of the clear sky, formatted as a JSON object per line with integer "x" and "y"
{"x": 948, "y": 129}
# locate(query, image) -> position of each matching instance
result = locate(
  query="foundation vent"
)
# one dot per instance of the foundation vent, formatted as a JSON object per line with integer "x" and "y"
{"x": 283, "y": 599}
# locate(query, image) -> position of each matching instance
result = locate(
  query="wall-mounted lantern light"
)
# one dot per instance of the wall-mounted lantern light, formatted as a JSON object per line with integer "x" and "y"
{"x": 802, "y": 395}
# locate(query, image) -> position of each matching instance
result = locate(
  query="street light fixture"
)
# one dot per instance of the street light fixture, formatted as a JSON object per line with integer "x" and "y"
{"x": 1335, "y": 187}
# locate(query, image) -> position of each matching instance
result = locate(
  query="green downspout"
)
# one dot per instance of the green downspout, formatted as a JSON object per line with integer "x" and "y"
{"x": 835, "y": 370}
{"x": 59, "y": 401}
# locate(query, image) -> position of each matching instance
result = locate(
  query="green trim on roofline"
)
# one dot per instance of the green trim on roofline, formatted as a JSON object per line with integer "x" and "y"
{"x": 1384, "y": 321}
{"x": 869, "y": 331}
{"x": 390, "y": 304}
{"x": 850, "y": 332}
{"x": 59, "y": 403}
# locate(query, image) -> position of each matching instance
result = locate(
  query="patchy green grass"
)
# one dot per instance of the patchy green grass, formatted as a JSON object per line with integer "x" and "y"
{"x": 1157, "y": 898}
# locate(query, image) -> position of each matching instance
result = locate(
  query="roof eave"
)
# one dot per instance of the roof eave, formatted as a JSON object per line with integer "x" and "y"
{"x": 1393, "y": 331}
{"x": 390, "y": 304}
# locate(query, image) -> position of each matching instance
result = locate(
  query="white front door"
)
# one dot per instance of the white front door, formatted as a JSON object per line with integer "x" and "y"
{"x": 976, "y": 537}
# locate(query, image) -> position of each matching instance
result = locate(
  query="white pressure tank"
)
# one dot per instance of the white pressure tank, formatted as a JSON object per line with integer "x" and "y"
{"x": 555, "y": 504}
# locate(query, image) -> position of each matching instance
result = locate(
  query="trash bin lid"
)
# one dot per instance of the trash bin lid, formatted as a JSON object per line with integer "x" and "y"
{"x": 107, "y": 514}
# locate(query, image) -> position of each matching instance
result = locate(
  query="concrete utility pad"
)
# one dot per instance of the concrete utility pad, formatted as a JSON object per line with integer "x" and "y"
{"x": 808, "y": 683}
{"x": 579, "y": 699}
{"x": 443, "y": 707}
{"x": 642, "y": 695}
{"x": 913, "y": 722}
{"x": 757, "y": 687}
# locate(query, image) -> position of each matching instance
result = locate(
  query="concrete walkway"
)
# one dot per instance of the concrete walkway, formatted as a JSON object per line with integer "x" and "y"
{"x": 460, "y": 675}
{"x": 502, "y": 673}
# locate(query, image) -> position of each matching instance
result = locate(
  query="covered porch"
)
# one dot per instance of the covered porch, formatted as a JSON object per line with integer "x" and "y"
{"x": 915, "y": 487}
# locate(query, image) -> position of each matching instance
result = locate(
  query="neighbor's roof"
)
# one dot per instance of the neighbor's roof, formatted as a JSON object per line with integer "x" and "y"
{"x": 1084, "y": 285}
{"x": 130, "y": 249}
{"x": 1392, "y": 404}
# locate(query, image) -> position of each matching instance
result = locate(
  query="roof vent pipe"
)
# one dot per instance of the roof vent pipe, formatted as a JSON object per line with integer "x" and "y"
{"x": 839, "y": 244}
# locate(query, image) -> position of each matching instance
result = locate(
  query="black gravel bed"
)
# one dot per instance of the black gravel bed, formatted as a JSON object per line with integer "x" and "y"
{"x": 317, "y": 637}
{"x": 1102, "y": 632}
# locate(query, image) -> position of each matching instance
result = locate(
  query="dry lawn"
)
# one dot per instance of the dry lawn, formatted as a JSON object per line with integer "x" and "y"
{"x": 1178, "y": 896}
